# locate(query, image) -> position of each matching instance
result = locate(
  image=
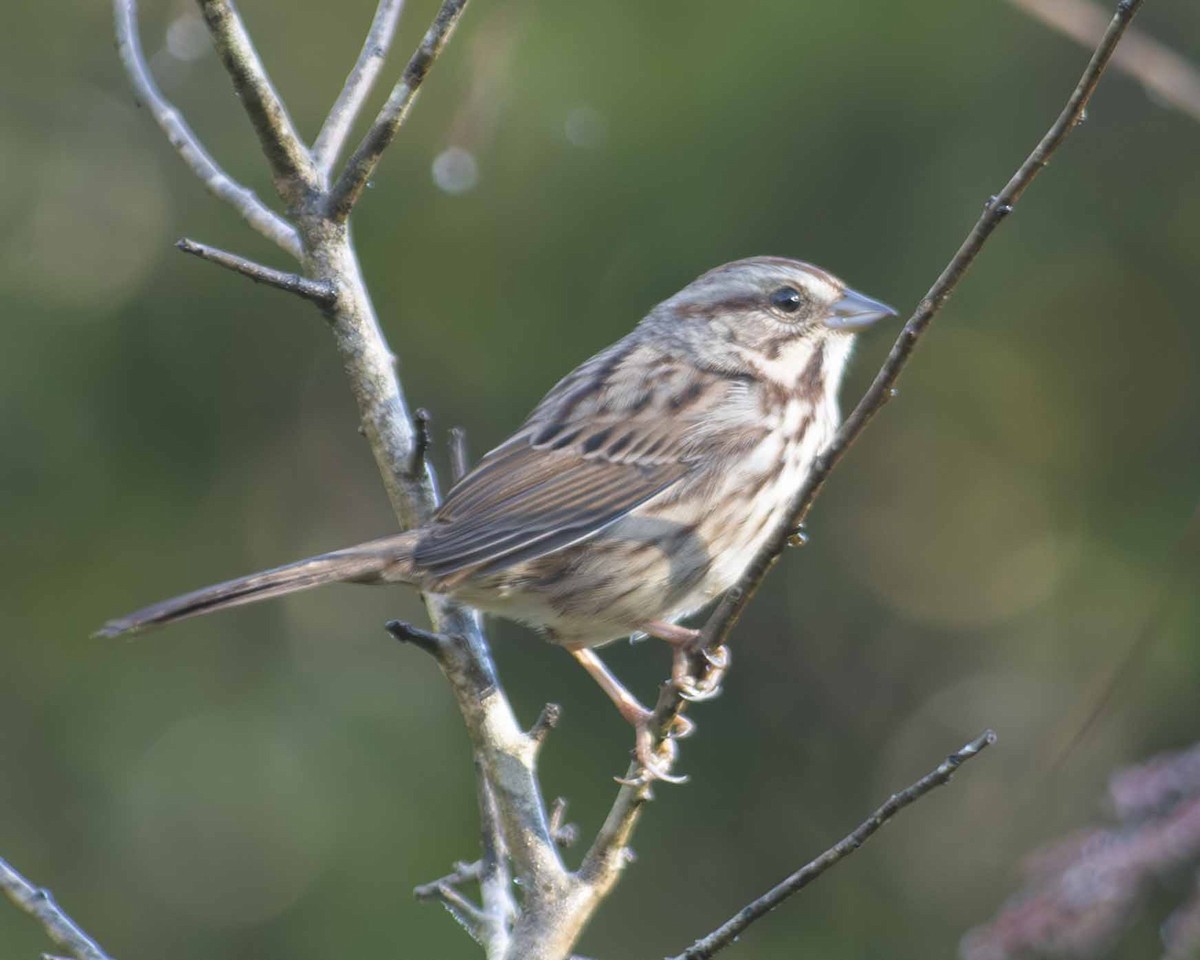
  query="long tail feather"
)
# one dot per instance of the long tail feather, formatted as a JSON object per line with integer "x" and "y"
{"x": 388, "y": 559}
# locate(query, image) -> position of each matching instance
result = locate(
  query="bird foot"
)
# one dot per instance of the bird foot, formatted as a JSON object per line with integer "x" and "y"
{"x": 707, "y": 683}
{"x": 692, "y": 686}
{"x": 656, "y": 756}
{"x": 654, "y": 752}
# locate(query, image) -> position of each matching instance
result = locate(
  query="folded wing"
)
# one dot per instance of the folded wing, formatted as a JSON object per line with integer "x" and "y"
{"x": 622, "y": 429}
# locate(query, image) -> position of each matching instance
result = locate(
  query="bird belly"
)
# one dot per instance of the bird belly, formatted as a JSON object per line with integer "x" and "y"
{"x": 665, "y": 560}
{"x": 758, "y": 497}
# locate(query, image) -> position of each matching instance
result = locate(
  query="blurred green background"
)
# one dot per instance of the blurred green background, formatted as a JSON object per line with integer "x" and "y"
{"x": 272, "y": 782}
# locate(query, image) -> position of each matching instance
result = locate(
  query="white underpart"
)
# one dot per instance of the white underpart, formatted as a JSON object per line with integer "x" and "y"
{"x": 731, "y": 563}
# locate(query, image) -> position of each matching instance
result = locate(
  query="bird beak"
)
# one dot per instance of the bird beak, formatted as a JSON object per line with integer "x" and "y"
{"x": 854, "y": 311}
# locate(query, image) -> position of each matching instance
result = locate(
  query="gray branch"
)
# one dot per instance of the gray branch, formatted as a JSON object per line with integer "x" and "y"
{"x": 550, "y": 917}
{"x": 187, "y": 144}
{"x": 320, "y": 292}
{"x": 383, "y": 131}
{"x": 39, "y": 904}
{"x": 728, "y": 932}
{"x": 445, "y": 891}
{"x": 289, "y": 159}
{"x": 500, "y": 910}
{"x": 332, "y": 139}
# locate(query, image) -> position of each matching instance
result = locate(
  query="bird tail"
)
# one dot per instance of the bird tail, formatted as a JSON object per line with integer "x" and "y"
{"x": 385, "y": 560}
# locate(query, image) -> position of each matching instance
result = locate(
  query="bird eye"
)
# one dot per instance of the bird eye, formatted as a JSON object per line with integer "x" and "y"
{"x": 787, "y": 299}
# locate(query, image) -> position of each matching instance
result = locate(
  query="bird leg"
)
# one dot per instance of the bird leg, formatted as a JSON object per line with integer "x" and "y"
{"x": 684, "y": 641}
{"x": 655, "y": 760}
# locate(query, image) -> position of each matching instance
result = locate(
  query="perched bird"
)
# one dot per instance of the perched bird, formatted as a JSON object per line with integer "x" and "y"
{"x": 640, "y": 487}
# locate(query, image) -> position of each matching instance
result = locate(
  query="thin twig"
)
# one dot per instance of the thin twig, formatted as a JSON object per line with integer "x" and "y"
{"x": 362, "y": 163}
{"x": 499, "y": 910}
{"x": 547, "y": 720}
{"x": 445, "y": 891}
{"x": 318, "y": 291}
{"x": 1161, "y": 70}
{"x": 608, "y": 854}
{"x": 463, "y": 872}
{"x": 431, "y": 643}
{"x": 729, "y": 931}
{"x": 460, "y": 460}
{"x": 605, "y": 856}
{"x": 717, "y": 629}
{"x": 289, "y": 159}
{"x": 39, "y": 904}
{"x": 332, "y": 139}
{"x": 421, "y": 421}
{"x": 222, "y": 186}
{"x": 565, "y": 834}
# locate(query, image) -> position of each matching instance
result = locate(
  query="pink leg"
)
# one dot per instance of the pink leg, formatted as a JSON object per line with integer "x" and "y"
{"x": 673, "y": 633}
{"x": 626, "y": 702}
{"x": 655, "y": 766}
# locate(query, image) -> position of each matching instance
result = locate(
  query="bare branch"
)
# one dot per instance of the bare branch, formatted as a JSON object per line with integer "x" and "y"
{"x": 565, "y": 834}
{"x": 608, "y": 855}
{"x": 421, "y": 421}
{"x": 40, "y": 905}
{"x": 547, "y": 720}
{"x": 499, "y": 911}
{"x": 332, "y": 139}
{"x": 460, "y": 460}
{"x": 445, "y": 891}
{"x": 554, "y": 905}
{"x": 291, "y": 166}
{"x": 717, "y": 629}
{"x": 1160, "y": 69}
{"x": 320, "y": 292}
{"x": 187, "y": 145}
{"x": 361, "y": 165}
{"x": 431, "y": 643}
{"x": 729, "y": 931}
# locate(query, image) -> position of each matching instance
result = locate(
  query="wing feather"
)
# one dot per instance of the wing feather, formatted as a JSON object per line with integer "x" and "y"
{"x": 625, "y": 427}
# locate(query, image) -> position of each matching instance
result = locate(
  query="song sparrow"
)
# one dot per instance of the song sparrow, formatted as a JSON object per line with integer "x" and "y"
{"x": 640, "y": 487}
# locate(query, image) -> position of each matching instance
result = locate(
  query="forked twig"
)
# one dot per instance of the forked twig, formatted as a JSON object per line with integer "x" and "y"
{"x": 332, "y": 139}
{"x": 289, "y": 159}
{"x": 362, "y": 163}
{"x": 181, "y": 136}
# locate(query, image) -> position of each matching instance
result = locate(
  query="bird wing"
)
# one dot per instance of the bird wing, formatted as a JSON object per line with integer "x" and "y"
{"x": 623, "y": 428}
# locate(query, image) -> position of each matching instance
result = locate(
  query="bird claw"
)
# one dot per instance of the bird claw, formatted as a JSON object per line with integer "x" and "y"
{"x": 708, "y": 684}
{"x": 718, "y": 658}
{"x": 681, "y": 728}
{"x": 655, "y": 756}
{"x": 696, "y": 691}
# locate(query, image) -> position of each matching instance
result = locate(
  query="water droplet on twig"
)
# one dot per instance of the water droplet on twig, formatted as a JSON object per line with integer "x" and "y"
{"x": 798, "y": 537}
